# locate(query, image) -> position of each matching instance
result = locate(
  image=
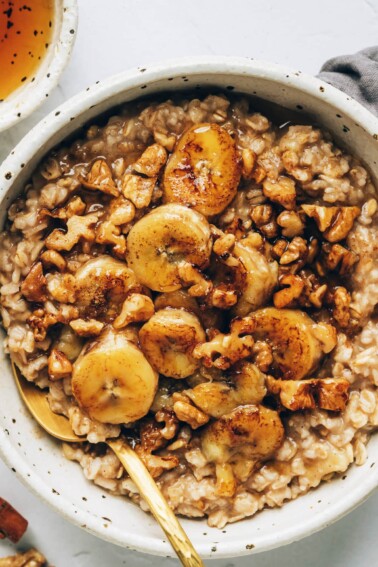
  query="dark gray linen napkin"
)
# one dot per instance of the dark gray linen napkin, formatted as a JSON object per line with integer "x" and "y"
{"x": 356, "y": 75}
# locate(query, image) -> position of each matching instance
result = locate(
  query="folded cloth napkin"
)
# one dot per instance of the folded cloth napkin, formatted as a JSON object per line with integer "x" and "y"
{"x": 356, "y": 75}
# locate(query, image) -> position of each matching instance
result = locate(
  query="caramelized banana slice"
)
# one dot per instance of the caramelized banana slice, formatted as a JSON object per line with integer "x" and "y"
{"x": 179, "y": 299}
{"x": 261, "y": 277}
{"x": 102, "y": 285}
{"x": 254, "y": 431}
{"x": 168, "y": 339}
{"x": 217, "y": 398}
{"x": 163, "y": 240}
{"x": 112, "y": 380}
{"x": 298, "y": 343}
{"x": 203, "y": 172}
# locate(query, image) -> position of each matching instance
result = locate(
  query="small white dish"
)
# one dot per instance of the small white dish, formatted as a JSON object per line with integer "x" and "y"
{"x": 23, "y": 101}
{"x": 37, "y": 459}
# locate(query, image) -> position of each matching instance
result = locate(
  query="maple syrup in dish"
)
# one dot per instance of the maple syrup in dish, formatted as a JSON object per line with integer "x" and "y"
{"x": 25, "y": 35}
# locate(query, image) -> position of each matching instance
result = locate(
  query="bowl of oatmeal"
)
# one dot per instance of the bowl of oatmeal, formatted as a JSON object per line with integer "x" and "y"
{"x": 188, "y": 261}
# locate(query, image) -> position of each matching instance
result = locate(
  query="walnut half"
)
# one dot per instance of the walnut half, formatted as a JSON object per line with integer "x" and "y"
{"x": 326, "y": 393}
{"x": 281, "y": 191}
{"x": 58, "y": 365}
{"x": 334, "y": 222}
{"x": 34, "y": 285}
{"x": 77, "y": 227}
{"x": 224, "y": 350}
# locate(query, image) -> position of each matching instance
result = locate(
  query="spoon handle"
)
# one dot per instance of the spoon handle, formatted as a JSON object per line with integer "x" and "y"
{"x": 150, "y": 492}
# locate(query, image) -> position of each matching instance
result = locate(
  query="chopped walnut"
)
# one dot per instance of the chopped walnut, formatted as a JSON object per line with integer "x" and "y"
{"x": 167, "y": 416}
{"x": 186, "y": 412}
{"x": 58, "y": 365}
{"x": 40, "y": 320}
{"x": 333, "y": 394}
{"x": 51, "y": 258}
{"x": 191, "y": 276}
{"x": 62, "y": 287}
{"x": 264, "y": 219}
{"x": 323, "y": 216}
{"x": 34, "y": 285}
{"x": 316, "y": 297}
{"x": 121, "y": 211}
{"x": 258, "y": 173}
{"x": 108, "y": 233}
{"x": 281, "y": 191}
{"x": 296, "y": 249}
{"x": 236, "y": 227}
{"x": 248, "y": 157}
{"x": 224, "y": 350}
{"x": 338, "y": 257}
{"x": 157, "y": 464}
{"x": 135, "y": 308}
{"x": 341, "y": 312}
{"x": 77, "y": 227}
{"x": 151, "y": 439}
{"x": 224, "y": 243}
{"x": 168, "y": 142}
{"x": 100, "y": 179}
{"x": 75, "y": 206}
{"x": 334, "y": 222}
{"x": 177, "y": 445}
{"x": 263, "y": 355}
{"x": 289, "y": 294}
{"x": 291, "y": 223}
{"x": 138, "y": 189}
{"x": 87, "y": 328}
{"x": 30, "y": 558}
{"x": 313, "y": 291}
{"x": 325, "y": 393}
{"x": 279, "y": 248}
{"x": 151, "y": 161}
{"x": 223, "y": 296}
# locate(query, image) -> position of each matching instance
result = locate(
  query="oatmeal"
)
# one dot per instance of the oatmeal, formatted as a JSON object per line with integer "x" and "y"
{"x": 203, "y": 283}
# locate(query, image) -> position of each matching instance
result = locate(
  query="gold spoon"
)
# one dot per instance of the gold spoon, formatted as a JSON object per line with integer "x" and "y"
{"x": 58, "y": 426}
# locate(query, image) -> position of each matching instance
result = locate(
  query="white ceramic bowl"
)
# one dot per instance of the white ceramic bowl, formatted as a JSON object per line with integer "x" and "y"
{"x": 27, "y": 98}
{"x": 37, "y": 459}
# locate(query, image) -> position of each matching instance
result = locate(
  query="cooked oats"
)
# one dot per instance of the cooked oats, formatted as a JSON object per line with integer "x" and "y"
{"x": 297, "y": 230}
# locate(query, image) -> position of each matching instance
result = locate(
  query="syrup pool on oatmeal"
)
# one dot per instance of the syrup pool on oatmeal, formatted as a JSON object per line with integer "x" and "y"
{"x": 25, "y": 34}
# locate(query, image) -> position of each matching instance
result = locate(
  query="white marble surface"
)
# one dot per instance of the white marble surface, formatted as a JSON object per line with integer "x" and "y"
{"x": 114, "y": 35}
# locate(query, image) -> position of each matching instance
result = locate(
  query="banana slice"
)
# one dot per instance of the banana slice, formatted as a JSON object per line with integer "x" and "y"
{"x": 112, "y": 380}
{"x": 168, "y": 339}
{"x": 298, "y": 343}
{"x": 218, "y": 398}
{"x": 159, "y": 242}
{"x": 261, "y": 277}
{"x": 203, "y": 172}
{"x": 102, "y": 285}
{"x": 252, "y": 430}
{"x": 179, "y": 299}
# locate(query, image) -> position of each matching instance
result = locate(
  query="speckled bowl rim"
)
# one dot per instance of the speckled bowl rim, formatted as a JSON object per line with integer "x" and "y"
{"x": 68, "y": 112}
{"x": 25, "y": 100}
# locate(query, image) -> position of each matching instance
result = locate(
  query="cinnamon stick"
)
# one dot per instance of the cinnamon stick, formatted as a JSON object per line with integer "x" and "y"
{"x": 12, "y": 524}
